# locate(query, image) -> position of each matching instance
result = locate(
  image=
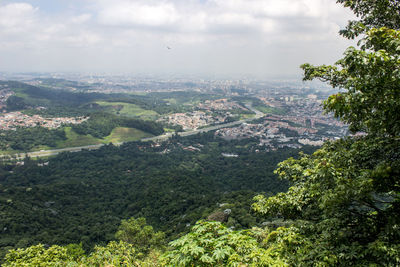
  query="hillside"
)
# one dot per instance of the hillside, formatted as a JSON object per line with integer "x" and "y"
{"x": 61, "y": 108}
{"x": 81, "y": 197}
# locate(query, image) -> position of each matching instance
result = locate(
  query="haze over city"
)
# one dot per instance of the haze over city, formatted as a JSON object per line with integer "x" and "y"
{"x": 264, "y": 38}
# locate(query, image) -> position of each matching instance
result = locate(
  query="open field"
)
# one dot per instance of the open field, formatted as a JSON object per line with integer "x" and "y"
{"x": 270, "y": 110}
{"x": 74, "y": 139}
{"x": 129, "y": 110}
{"x": 119, "y": 134}
{"x": 77, "y": 142}
{"x": 123, "y": 134}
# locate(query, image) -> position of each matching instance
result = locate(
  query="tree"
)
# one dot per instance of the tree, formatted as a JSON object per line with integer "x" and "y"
{"x": 38, "y": 256}
{"x": 114, "y": 254}
{"x": 140, "y": 235}
{"x": 213, "y": 244}
{"x": 372, "y": 14}
{"x": 370, "y": 78}
{"x": 345, "y": 198}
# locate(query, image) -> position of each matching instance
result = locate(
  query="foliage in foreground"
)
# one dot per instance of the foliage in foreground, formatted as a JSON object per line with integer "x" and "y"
{"x": 212, "y": 244}
{"x": 137, "y": 246}
{"x": 208, "y": 244}
{"x": 137, "y": 232}
{"x": 345, "y": 198}
{"x": 113, "y": 254}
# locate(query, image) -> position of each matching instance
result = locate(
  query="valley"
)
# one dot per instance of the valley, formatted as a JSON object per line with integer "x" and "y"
{"x": 169, "y": 156}
{"x": 234, "y": 113}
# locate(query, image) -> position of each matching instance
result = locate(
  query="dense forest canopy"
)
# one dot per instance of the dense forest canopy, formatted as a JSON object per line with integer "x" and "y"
{"x": 82, "y": 197}
{"x": 62, "y": 102}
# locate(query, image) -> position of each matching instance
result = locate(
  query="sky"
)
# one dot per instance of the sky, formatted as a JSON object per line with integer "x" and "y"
{"x": 262, "y": 38}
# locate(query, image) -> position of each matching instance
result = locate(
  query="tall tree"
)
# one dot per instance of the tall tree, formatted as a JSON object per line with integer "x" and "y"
{"x": 345, "y": 198}
{"x": 371, "y": 14}
{"x": 140, "y": 235}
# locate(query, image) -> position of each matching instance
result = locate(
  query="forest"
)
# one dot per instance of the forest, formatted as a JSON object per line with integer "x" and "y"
{"x": 338, "y": 206}
{"x": 62, "y": 102}
{"x": 25, "y": 139}
{"x": 82, "y": 197}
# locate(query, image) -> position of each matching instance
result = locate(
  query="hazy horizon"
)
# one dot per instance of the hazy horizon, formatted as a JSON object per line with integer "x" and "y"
{"x": 269, "y": 38}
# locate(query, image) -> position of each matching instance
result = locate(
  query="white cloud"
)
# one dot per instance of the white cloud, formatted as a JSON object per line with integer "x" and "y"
{"x": 82, "y": 38}
{"x": 224, "y": 17}
{"x": 16, "y": 17}
{"x": 280, "y": 8}
{"x": 25, "y": 26}
{"x": 268, "y": 8}
{"x": 128, "y": 13}
{"x": 232, "y": 34}
{"x": 83, "y": 18}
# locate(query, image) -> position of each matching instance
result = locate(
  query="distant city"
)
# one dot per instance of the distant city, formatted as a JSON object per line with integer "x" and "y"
{"x": 278, "y": 114}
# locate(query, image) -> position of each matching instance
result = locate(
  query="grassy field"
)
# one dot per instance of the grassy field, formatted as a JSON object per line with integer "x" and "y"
{"x": 129, "y": 110}
{"x": 246, "y": 116}
{"x": 122, "y": 134}
{"x": 271, "y": 110}
{"x": 119, "y": 134}
{"x": 74, "y": 139}
{"x": 171, "y": 101}
{"x": 7, "y": 152}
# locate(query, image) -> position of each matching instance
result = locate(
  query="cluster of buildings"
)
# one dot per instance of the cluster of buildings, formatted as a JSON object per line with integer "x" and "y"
{"x": 5, "y": 93}
{"x": 272, "y": 102}
{"x": 208, "y": 113}
{"x": 13, "y": 120}
{"x": 220, "y": 104}
{"x": 194, "y": 120}
{"x": 294, "y": 130}
{"x": 302, "y": 123}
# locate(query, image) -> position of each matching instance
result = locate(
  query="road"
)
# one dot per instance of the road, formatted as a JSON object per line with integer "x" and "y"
{"x": 46, "y": 153}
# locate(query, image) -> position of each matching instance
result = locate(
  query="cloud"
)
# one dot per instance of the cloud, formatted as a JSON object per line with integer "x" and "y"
{"x": 17, "y": 17}
{"x": 267, "y": 8}
{"x": 222, "y": 17}
{"x": 267, "y": 19}
{"x": 129, "y": 13}
{"x": 248, "y": 35}
{"x": 25, "y": 26}
{"x": 83, "y": 18}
